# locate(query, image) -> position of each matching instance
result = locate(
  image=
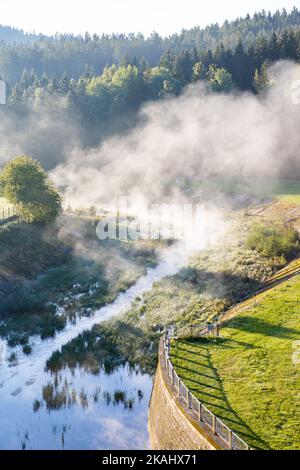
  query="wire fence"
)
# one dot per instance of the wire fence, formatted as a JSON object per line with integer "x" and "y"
{"x": 204, "y": 415}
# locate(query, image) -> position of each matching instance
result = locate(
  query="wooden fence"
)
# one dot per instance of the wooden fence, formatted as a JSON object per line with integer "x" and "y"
{"x": 8, "y": 215}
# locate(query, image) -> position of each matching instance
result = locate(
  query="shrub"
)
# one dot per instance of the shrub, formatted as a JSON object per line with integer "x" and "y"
{"x": 273, "y": 242}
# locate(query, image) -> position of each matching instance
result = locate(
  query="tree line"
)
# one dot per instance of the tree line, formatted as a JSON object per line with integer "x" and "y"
{"x": 69, "y": 53}
{"x": 123, "y": 88}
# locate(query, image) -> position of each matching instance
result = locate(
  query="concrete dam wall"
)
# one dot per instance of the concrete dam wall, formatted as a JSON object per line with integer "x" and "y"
{"x": 171, "y": 424}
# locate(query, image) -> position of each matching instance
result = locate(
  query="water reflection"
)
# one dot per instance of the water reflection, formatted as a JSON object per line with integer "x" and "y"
{"x": 60, "y": 394}
{"x": 74, "y": 409}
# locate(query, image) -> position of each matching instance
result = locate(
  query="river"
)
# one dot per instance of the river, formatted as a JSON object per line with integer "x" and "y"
{"x": 76, "y": 409}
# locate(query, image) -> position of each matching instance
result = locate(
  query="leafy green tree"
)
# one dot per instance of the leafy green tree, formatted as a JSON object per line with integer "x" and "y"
{"x": 159, "y": 81}
{"x": 25, "y": 184}
{"x": 198, "y": 72}
{"x": 219, "y": 79}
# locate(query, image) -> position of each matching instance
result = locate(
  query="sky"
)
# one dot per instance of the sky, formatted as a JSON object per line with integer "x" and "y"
{"x": 106, "y": 16}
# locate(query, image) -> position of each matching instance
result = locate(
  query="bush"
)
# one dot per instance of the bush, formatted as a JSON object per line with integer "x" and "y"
{"x": 273, "y": 242}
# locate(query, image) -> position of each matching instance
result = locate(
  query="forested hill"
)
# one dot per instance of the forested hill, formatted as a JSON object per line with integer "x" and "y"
{"x": 103, "y": 81}
{"x": 15, "y": 36}
{"x": 67, "y": 53}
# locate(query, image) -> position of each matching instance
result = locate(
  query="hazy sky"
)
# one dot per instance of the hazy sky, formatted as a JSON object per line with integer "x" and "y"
{"x": 163, "y": 16}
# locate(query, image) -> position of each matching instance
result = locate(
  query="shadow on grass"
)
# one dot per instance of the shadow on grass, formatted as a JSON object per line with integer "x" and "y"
{"x": 209, "y": 389}
{"x": 256, "y": 325}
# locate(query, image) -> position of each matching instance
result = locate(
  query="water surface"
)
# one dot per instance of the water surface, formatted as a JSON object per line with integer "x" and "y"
{"x": 76, "y": 409}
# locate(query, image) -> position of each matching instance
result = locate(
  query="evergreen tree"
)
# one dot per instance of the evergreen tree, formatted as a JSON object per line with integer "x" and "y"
{"x": 261, "y": 81}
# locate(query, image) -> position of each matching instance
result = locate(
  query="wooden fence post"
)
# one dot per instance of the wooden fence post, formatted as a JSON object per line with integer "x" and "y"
{"x": 189, "y": 399}
{"x": 230, "y": 439}
{"x": 214, "y": 425}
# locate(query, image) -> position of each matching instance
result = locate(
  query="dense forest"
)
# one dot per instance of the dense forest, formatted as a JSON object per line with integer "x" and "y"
{"x": 101, "y": 79}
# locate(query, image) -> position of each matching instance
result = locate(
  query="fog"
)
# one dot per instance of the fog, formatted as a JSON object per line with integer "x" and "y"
{"x": 196, "y": 135}
{"x": 49, "y": 135}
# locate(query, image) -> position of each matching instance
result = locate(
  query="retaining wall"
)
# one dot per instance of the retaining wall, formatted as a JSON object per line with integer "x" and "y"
{"x": 171, "y": 425}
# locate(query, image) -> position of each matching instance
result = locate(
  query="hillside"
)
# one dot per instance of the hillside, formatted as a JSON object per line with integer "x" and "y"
{"x": 249, "y": 376}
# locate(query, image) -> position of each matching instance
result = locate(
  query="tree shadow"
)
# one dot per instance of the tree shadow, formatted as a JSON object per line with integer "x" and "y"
{"x": 256, "y": 325}
{"x": 210, "y": 391}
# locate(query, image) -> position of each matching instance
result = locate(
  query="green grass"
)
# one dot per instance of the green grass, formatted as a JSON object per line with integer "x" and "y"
{"x": 291, "y": 198}
{"x": 247, "y": 377}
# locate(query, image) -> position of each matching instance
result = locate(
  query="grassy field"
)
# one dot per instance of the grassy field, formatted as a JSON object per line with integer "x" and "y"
{"x": 248, "y": 377}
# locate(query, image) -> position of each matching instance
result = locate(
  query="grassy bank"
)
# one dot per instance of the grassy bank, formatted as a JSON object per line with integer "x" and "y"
{"x": 248, "y": 377}
{"x": 211, "y": 282}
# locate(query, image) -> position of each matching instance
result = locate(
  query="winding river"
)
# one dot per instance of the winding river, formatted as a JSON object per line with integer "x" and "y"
{"x": 76, "y": 409}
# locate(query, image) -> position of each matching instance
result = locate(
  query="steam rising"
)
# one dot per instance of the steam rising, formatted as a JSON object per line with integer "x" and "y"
{"x": 47, "y": 135}
{"x": 195, "y": 135}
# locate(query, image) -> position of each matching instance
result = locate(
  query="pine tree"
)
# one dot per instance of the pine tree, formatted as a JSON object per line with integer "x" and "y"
{"x": 274, "y": 48}
{"x": 167, "y": 60}
{"x": 238, "y": 66}
{"x": 261, "y": 81}
{"x": 183, "y": 67}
